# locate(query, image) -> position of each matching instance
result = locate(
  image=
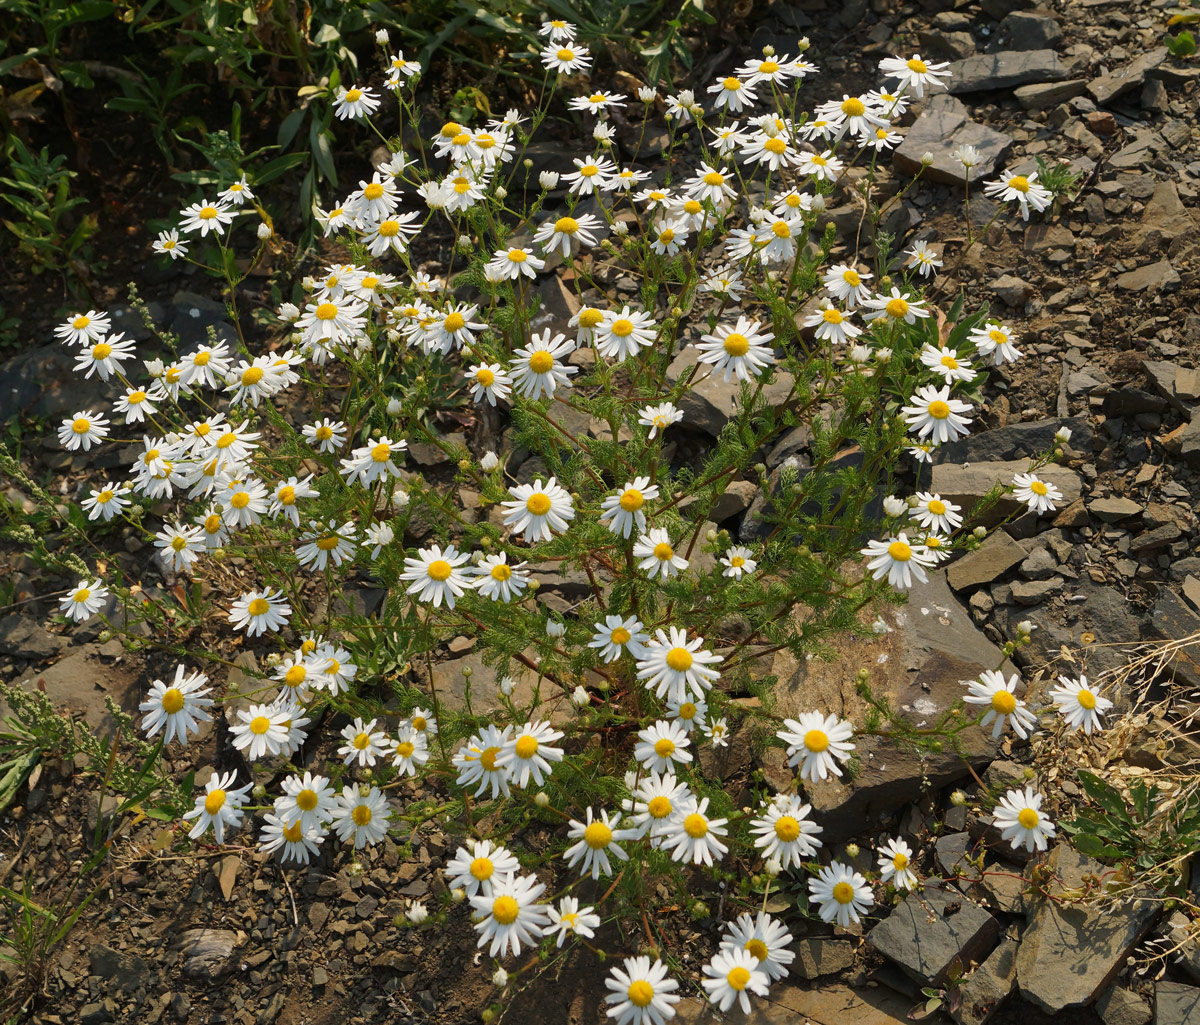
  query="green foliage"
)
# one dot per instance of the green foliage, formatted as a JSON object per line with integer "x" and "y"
{"x": 1181, "y": 45}
{"x": 1152, "y": 829}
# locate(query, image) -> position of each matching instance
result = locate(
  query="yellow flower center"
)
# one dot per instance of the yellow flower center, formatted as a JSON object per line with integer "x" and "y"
{"x": 738, "y": 977}
{"x": 541, "y": 362}
{"x": 225, "y": 440}
{"x": 501, "y": 571}
{"x": 1028, "y": 818}
{"x": 505, "y": 910}
{"x": 461, "y": 140}
{"x": 820, "y": 161}
{"x": 787, "y": 828}
{"x": 389, "y": 228}
{"x": 620, "y": 636}
{"x": 418, "y": 723}
{"x": 937, "y": 507}
{"x": 353, "y": 95}
{"x": 776, "y": 145}
{"x": 1086, "y": 699}
{"x": 179, "y": 543}
{"x": 306, "y": 800}
{"x": 81, "y": 425}
{"x": 405, "y": 748}
{"x": 832, "y": 316}
{"x": 214, "y": 802}
{"x": 816, "y": 741}
{"x": 589, "y": 170}
{"x": 526, "y": 747}
{"x": 454, "y": 322}
{"x": 172, "y": 701}
{"x": 293, "y": 833}
{"x": 252, "y": 375}
{"x": 485, "y": 377}
{"x": 137, "y": 397}
{"x": 663, "y": 551}
{"x": 80, "y": 322}
{"x": 900, "y": 862}
{"x": 258, "y": 606}
{"x": 212, "y": 523}
{"x": 950, "y": 362}
{"x": 287, "y": 495}
{"x": 538, "y": 503}
{"x": 632, "y": 500}
{"x": 597, "y": 836}
{"x": 323, "y": 433}
{"x": 714, "y": 178}
{"x": 853, "y": 107}
{"x": 757, "y": 948}
{"x": 208, "y": 213}
{"x": 1004, "y": 703}
{"x": 565, "y": 55}
{"x": 327, "y": 544}
{"x": 450, "y": 129}
{"x": 1019, "y": 182}
{"x": 679, "y": 659}
{"x": 1038, "y": 488}
{"x": 259, "y": 725}
{"x": 938, "y": 409}
{"x": 105, "y": 497}
{"x": 101, "y": 350}
{"x": 640, "y": 993}
{"x": 692, "y": 206}
{"x": 737, "y": 562}
{"x": 373, "y": 191}
{"x": 381, "y": 452}
{"x": 622, "y": 327}
{"x": 664, "y": 747}
{"x": 999, "y": 337}
{"x": 327, "y": 311}
{"x": 736, "y": 344}
{"x": 482, "y": 868}
{"x": 768, "y": 67}
{"x": 518, "y": 255}
{"x": 695, "y": 825}
{"x": 781, "y": 229}
{"x": 566, "y": 225}
{"x": 897, "y": 308}
{"x": 361, "y": 814}
{"x": 488, "y": 758}
{"x": 659, "y": 807}
{"x": 240, "y": 500}
{"x": 732, "y": 84}
{"x": 843, "y": 893}
{"x": 666, "y": 235}
{"x": 362, "y": 741}
{"x": 590, "y": 317}
{"x": 439, "y": 570}
{"x": 899, "y": 551}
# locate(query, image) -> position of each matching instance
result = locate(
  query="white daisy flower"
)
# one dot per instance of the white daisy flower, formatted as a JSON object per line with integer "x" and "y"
{"x": 899, "y": 559}
{"x": 361, "y": 817}
{"x": 654, "y": 803}
{"x": 569, "y": 919}
{"x": 934, "y": 513}
{"x": 624, "y": 334}
{"x": 843, "y": 894}
{"x": 934, "y": 414}
{"x": 410, "y": 751}
{"x": 896, "y": 307}
{"x": 510, "y": 264}
{"x": 895, "y": 856}
{"x": 176, "y": 708}
{"x": 785, "y": 831}
{"x": 355, "y": 102}
{"x": 657, "y": 555}
{"x": 371, "y": 461}
{"x": 946, "y": 362}
{"x": 732, "y": 976}
{"x": 307, "y": 800}
{"x": 694, "y": 837}
{"x": 477, "y": 762}
{"x": 82, "y": 431}
{"x": 205, "y": 217}
{"x": 500, "y": 581}
{"x": 641, "y": 992}
{"x": 733, "y": 94}
{"x": 509, "y": 916}
{"x": 1039, "y": 495}
{"x": 364, "y": 744}
{"x": 566, "y": 57}
{"x": 1080, "y": 705}
{"x": 537, "y": 369}
{"x": 924, "y": 259}
{"x": 567, "y": 234}
{"x": 474, "y": 869}
{"x": 597, "y": 839}
{"x": 740, "y": 350}
{"x": 688, "y": 714}
{"x": 821, "y": 166}
{"x": 219, "y": 806}
{"x": 1023, "y": 189}
{"x": 84, "y": 601}
{"x": 105, "y": 357}
{"x": 330, "y": 544}
{"x": 832, "y": 325}
{"x": 83, "y": 328}
{"x": 1019, "y": 817}
{"x": 659, "y": 417}
{"x": 661, "y": 745}
{"x": 914, "y": 73}
{"x": 674, "y": 667}
{"x": 738, "y": 561}
{"x": 538, "y": 511}
{"x": 816, "y": 743}
{"x": 622, "y": 511}
{"x": 293, "y": 840}
{"x": 325, "y": 435}
{"x": 437, "y": 575}
{"x": 995, "y": 340}
{"x": 768, "y": 940}
{"x": 528, "y": 753}
{"x": 616, "y": 636}
{"x": 1002, "y": 703}
{"x": 259, "y": 731}
{"x": 106, "y": 502}
{"x": 179, "y": 546}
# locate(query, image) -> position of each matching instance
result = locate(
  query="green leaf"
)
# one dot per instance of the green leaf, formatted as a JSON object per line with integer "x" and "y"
{"x": 1104, "y": 795}
{"x": 278, "y": 166}
{"x": 327, "y": 34}
{"x": 322, "y": 153}
{"x": 290, "y": 126}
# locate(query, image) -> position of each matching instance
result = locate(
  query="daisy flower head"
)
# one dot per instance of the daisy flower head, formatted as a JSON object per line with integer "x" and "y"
{"x": 732, "y": 976}
{"x": 437, "y": 575}
{"x": 847, "y": 285}
{"x": 832, "y": 325}
{"x": 176, "y": 708}
{"x": 498, "y": 580}
{"x": 641, "y": 992}
{"x": 674, "y": 667}
{"x": 137, "y": 403}
{"x": 331, "y": 321}
{"x": 899, "y": 559}
{"x": 717, "y": 731}
{"x": 659, "y": 417}
{"x": 84, "y": 600}
{"x": 510, "y": 916}
{"x": 325, "y": 435}
{"x": 995, "y": 340}
{"x": 410, "y": 751}
{"x": 538, "y": 368}
{"x": 325, "y": 545}
{"x": 1019, "y": 817}
{"x": 259, "y": 731}
{"x": 947, "y": 362}
{"x": 83, "y": 328}
{"x": 654, "y": 803}
{"x": 616, "y": 636}
{"x": 1003, "y": 705}
{"x": 307, "y": 799}
{"x": 478, "y": 762}
{"x": 364, "y": 744}
{"x": 361, "y": 818}
{"x": 1039, "y": 495}
{"x": 824, "y": 167}
{"x": 589, "y": 175}
{"x": 774, "y": 68}
{"x": 915, "y": 74}
{"x": 106, "y": 502}
{"x": 738, "y": 561}
{"x": 422, "y": 720}
{"x": 219, "y": 806}
{"x": 391, "y": 234}
{"x": 82, "y": 431}
{"x": 689, "y": 713}
{"x": 741, "y": 350}
{"x": 285, "y": 496}
{"x": 475, "y": 868}
{"x": 853, "y": 114}
{"x": 256, "y": 612}
{"x": 566, "y": 57}
{"x": 569, "y": 919}
{"x": 884, "y": 139}
{"x": 237, "y": 193}
{"x": 934, "y": 513}
{"x": 206, "y": 216}
{"x": 293, "y": 841}
{"x": 933, "y": 414}
{"x": 596, "y": 839}
{"x": 597, "y": 102}
{"x": 244, "y": 502}
{"x": 843, "y": 894}
{"x": 105, "y": 357}
{"x": 724, "y": 280}
{"x": 657, "y": 554}
{"x": 816, "y": 743}
{"x": 510, "y": 264}
{"x": 733, "y": 94}
{"x": 1079, "y": 704}
{"x": 355, "y": 102}
{"x": 529, "y": 752}
{"x": 585, "y": 322}
{"x": 695, "y": 837}
{"x": 669, "y": 237}
{"x": 661, "y": 744}
{"x": 1024, "y": 190}
{"x": 899, "y": 306}
{"x": 179, "y": 546}
{"x": 785, "y": 831}
{"x": 558, "y": 31}
{"x": 623, "y": 512}
{"x": 895, "y": 858}
{"x": 768, "y": 940}
{"x": 538, "y": 510}
{"x": 489, "y": 382}
{"x": 452, "y": 329}
{"x": 371, "y": 461}
{"x": 924, "y": 259}
{"x": 623, "y": 334}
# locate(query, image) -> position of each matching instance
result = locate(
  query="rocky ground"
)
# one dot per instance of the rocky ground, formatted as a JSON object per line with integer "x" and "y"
{"x": 1101, "y": 297}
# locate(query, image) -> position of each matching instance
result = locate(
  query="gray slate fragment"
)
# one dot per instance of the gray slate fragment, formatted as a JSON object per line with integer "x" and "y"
{"x": 926, "y": 946}
{"x": 1031, "y": 438}
{"x": 821, "y": 955}
{"x": 1113, "y": 510}
{"x": 207, "y": 953}
{"x": 1108, "y": 87}
{"x": 1005, "y": 69}
{"x": 986, "y": 987}
{"x": 1040, "y": 95}
{"x": 990, "y": 561}
{"x": 1030, "y": 30}
{"x": 1159, "y": 277}
{"x": 944, "y": 125}
{"x": 1120, "y": 1006}
{"x": 1175, "y": 1004}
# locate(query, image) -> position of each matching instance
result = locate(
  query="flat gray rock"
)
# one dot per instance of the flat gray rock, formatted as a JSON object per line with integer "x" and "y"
{"x": 944, "y": 126}
{"x": 1120, "y": 1006}
{"x": 1029, "y": 30}
{"x": 1040, "y": 95}
{"x": 1175, "y": 1004}
{"x": 1115, "y": 83}
{"x": 1005, "y": 69}
{"x": 984, "y": 989}
{"x": 966, "y": 485}
{"x": 991, "y": 560}
{"x": 710, "y": 404}
{"x": 929, "y": 931}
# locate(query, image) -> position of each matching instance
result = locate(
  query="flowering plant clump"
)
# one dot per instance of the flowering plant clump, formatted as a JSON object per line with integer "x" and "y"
{"x": 273, "y": 484}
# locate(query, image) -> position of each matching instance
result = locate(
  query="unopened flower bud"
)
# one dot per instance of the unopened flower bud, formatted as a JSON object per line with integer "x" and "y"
{"x": 979, "y": 532}
{"x": 417, "y": 912}
{"x": 852, "y": 850}
{"x": 264, "y": 230}
{"x": 528, "y": 163}
{"x": 458, "y": 895}
{"x": 259, "y": 792}
{"x": 772, "y": 867}
{"x": 647, "y": 94}
{"x": 620, "y": 228}
{"x": 958, "y": 798}
{"x": 501, "y": 192}
{"x": 883, "y": 356}
{"x": 555, "y": 628}
{"x": 579, "y": 697}
{"x": 489, "y": 461}
{"x": 548, "y": 179}
{"x": 500, "y": 978}
{"x": 381, "y": 36}
{"x": 507, "y": 685}
{"x": 393, "y": 407}
{"x": 1062, "y": 435}
{"x": 768, "y": 50}
{"x": 927, "y": 158}
{"x": 541, "y": 799}
{"x": 308, "y": 283}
